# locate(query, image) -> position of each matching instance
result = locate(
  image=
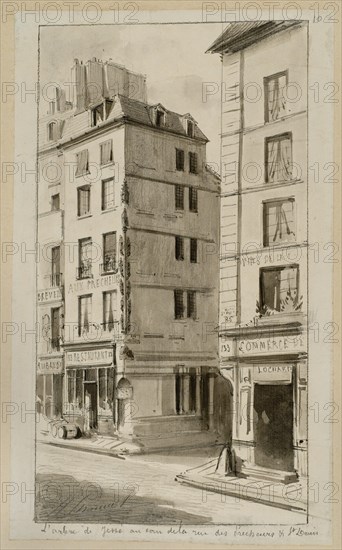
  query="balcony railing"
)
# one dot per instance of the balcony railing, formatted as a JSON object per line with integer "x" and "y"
{"x": 56, "y": 279}
{"x": 84, "y": 271}
{"x": 109, "y": 265}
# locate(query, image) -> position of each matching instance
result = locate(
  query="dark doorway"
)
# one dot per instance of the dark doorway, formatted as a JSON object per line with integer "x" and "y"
{"x": 90, "y": 402}
{"x": 273, "y": 426}
{"x": 58, "y": 394}
{"x": 223, "y": 407}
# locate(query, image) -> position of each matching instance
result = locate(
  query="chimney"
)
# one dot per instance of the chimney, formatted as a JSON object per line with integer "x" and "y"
{"x": 79, "y": 81}
{"x": 95, "y": 80}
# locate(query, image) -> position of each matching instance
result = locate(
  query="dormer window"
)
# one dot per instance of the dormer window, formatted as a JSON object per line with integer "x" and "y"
{"x": 52, "y": 131}
{"x": 190, "y": 128}
{"x": 160, "y": 118}
{"x": 100, "y": 112}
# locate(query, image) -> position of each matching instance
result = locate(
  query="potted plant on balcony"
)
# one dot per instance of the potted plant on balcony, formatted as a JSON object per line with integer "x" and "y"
{"x": 290, "y": 311}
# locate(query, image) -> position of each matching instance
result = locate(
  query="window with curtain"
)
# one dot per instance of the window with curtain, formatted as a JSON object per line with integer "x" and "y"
{"x": 278, "y": 158}
{"x": 83, "y": 200}
{"x": 85, "y": 258}
{"x": 274, "y": 90}
{"x": 276, "y": 283}
{"x": 180, "y": 159}
{"x": 106, "y": 152}
{"x": 82, "y": 163}
{"x": 193, "y": 199}
{"x": 193, "y": 163}
{"x": 109, "y": 309}
{"x": 84, "y": 314}
{"x": 109, "y": 252}
{"x": 179, "y": 248}
{"x": 279, "y": 219}
{"x": 108, "y": 199}
{"x": 179, "y": 197}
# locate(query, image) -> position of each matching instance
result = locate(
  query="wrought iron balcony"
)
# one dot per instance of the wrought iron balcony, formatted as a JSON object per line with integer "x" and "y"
{"x": 56, "y": 279}
{"x": 84, "y": 271}
{"x": 109, "y": 265}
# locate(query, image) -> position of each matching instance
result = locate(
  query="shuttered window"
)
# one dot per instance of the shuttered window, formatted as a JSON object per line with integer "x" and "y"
{"x": 193, "y": 199}
{"x": 179, "y": 307}
{"x": 179, "y": 197}
{"x": 193, "y": 163}
{"x": 179, "y": 248}
{"x": 179, "y": 159}
{"x": 106, "y": 152}
{"x": 82, "y": 163}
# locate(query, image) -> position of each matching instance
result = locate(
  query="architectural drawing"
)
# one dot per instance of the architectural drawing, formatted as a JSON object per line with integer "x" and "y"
{"x": 172, "y": 297}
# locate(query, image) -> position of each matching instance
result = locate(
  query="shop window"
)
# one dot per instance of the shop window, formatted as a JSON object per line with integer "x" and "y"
{"x": 82, "y": 163}
{"x": 276, "y": 284}
{"x": 193, "y": 199}
{"x": 55, "y": 202}
{"x": 179, "y": 197}
{"x": 84, "y": 314}
{"x": 180, "y": 159}
{"x": 106, "y": 385}
{"x": 83, "y": 200}
{"x": 278, "y": 221}
{"x": 108, "y": 199}
{"x": 109, "y": 310}
{"x": 84, "y": 269}
{"x": 106, "y": 152}
{"x": 278, "y": 158}
{"x": 179, "y": 248}
{"x": 193, "y": 251}
{"x": 274, "y": 90}
{"x": 71, "y": 381}
{"x": 109, "y": 253}
{"x": 193, "y": 163}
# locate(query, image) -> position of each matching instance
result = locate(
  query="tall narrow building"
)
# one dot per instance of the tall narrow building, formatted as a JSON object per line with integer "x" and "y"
{"x": 128, "y": 295}
{"x": 264, "y": 240}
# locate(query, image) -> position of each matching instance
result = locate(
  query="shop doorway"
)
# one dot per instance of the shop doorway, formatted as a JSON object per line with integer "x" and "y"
{"x": 273, "y": 426}
{"x": 90, "y": 405}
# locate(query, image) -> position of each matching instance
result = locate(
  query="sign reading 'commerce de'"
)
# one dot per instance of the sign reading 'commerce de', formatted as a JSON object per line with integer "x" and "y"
{"x": 102, "y": 356}
{"x": 264, "y": 346}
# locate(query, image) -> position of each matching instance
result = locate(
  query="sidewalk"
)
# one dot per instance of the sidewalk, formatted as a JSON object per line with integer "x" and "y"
{"x": 289, "y": 497}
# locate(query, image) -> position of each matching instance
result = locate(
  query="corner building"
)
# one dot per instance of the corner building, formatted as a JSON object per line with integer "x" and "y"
{"x": 264, "y": 240}
{"x": 138, "y": 261}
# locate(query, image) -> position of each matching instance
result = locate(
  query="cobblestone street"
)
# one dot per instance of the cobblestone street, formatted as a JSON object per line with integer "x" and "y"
{"x": 76, "y": 486}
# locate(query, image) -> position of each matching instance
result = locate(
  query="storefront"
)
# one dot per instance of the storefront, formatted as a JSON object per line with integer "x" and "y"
{"x": 269, "y": 379}
{"x": 49, "y": 390}
{"x": 89, "y": 389}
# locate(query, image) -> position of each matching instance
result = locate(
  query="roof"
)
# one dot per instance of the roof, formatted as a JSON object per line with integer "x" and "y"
{"x": 238, "y": 36}
{"x": 126, "y": 108}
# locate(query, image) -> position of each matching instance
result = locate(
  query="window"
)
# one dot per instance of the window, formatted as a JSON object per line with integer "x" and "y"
{"x": 106, "y": 384}
{"x": 106, "y": 152}
{"x": 278, "y": 158}
{"x": 185, "y": 392}
{"x": 179, "y": 248}
{"x": 193, "y": 199}
{"x": 179, "y": 307}
{"x": 52, "y": 131}
{"x": 108, "y": 199}
{"x": 109, "y": 252}
{"x": 276, "y": 284}
{"x": 83, "y": 200}
{"x": 190, "y": 128}
{"x": 85, "y": 258}
{"x": 159, "y": 118}
{"x": 179, "y": 159}
{"x": 84, "y": 314}
{"x": 55, "y": 329}
{"x": 193, "y": 251}
{"x": 109, "y": 310}
{"x": 278, "y": 221}
{"x": 179, "y": 197}
{"x": 101, "y": 112}
{"x": 191, "y": 299}
{"x": 274, "y": 90}
{"x": 55, "y": 265}
{"x": 55, "y": 202}
{"x": 193, "y": 163}
{"x": 82, "y": 163}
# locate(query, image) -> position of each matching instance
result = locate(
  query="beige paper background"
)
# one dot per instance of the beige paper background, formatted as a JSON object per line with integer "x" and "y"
{"x": 17, "y": 220}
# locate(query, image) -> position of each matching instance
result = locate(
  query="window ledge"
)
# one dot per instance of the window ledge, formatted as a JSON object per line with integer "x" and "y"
{"x": 83, "y": 174}
{"x": 84, "y": 216}
{"x": 111, "y": 163}
{"x": 109, "y": 210}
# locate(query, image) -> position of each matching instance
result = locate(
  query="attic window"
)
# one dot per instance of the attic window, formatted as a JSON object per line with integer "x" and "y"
{"x": 190, "y": 128}
{"x": 52, "y": 131}
{"x": 160, "y": 118}
{"x": 101, "y": 112}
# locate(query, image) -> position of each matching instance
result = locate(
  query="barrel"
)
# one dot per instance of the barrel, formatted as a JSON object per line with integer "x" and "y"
{"x": 68, "y": 431}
